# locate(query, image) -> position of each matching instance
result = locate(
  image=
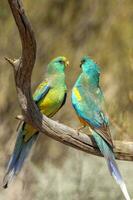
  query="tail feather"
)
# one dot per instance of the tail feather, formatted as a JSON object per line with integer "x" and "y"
{"x": 24, "y": 153}
{"x": 124, "y": 190}
{"x": 17, "y": 150}
{"x": 110, "y": 159}
{"x": 118, "y": 178}
{"x": 20, "y": 153}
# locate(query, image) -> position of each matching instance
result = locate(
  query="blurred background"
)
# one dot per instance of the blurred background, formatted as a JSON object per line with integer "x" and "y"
{"x": 104, "y": 31}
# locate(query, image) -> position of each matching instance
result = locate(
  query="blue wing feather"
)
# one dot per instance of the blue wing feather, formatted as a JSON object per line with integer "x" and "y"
{"x": 40, "y": 92}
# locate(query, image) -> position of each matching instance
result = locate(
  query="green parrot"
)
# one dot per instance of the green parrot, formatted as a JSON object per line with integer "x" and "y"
{"x": 49, "y": 96}
{"x": 88, "y": 102}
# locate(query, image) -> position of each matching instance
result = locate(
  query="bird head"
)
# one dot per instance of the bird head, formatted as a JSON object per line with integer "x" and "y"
{"x": 58, "y": 64}
{"x": 88, "y": 65}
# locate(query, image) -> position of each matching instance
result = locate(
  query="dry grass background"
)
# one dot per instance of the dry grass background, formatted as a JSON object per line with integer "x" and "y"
{"x": 102, "y": 29}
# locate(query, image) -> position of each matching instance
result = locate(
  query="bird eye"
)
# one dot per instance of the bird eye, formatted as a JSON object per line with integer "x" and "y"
{"x": 61, "y": 61}
{"x": 82, "y": 61}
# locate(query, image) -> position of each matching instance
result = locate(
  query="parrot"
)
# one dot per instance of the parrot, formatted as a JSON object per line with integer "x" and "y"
{"x": 89, "y": 104}
{"x": 49, "y": 96}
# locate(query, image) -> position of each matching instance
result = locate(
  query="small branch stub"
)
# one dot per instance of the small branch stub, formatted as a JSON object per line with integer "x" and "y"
{"x": 10, "y": 61}
{"x": 20, "y": 117}
{"x": 14, "y": 63}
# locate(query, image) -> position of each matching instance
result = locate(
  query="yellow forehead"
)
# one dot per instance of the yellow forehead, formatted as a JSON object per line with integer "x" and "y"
{"x": 63, "y": 58}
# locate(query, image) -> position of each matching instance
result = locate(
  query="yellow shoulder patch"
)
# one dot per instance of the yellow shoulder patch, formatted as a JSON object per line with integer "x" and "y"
{"x": 77, "y": 94}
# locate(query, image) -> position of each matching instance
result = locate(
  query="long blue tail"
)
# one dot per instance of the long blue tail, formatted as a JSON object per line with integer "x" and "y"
{"x": 20, "y": 153}
{"x": 110, "y": 158}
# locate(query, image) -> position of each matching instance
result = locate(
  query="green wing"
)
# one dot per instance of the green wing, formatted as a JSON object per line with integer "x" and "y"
{"x": 91, "y": 109}
{"x": 41, "y": 91}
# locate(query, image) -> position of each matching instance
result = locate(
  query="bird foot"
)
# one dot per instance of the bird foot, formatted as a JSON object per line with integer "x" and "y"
{"x": 79, "y": 129}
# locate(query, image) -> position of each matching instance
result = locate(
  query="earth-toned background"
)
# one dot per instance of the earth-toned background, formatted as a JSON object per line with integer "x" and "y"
{"x": 103, "y": 30}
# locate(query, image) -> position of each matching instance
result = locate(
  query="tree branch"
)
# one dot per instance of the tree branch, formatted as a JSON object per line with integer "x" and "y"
{"x": 22, "y": 73}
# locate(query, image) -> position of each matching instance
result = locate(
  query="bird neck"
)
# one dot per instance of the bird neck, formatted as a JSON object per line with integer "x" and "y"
{"x": 54, "y": 69}
{"x": 90, "y": 79}
{"x": 57, "y": 80}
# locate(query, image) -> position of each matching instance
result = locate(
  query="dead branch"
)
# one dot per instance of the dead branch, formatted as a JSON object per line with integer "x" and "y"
{"x": 22, "y": 73}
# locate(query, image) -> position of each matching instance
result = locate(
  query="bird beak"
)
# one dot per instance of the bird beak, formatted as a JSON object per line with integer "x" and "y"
{"x": 67, "y": 63}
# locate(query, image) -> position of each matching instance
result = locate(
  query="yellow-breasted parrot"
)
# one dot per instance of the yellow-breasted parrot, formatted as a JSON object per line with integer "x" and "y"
{"x": 49, "y": 96}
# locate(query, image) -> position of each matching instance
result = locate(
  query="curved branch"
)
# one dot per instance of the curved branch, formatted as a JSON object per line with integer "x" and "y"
{"x": 22, "y": 72}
